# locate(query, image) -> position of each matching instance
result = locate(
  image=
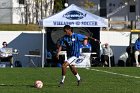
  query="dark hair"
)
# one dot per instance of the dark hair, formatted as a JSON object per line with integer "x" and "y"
{"x": 85, "y": 38}
{"x": 4, "y": 43}
{"x": 67, "y": 27}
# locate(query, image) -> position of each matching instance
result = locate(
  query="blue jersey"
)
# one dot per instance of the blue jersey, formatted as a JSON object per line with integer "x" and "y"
{"x": 72, "y": 44}
{"x": 137, "y": 44}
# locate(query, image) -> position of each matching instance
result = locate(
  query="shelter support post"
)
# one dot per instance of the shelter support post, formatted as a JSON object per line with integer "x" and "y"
{"x": 43, "y": 46}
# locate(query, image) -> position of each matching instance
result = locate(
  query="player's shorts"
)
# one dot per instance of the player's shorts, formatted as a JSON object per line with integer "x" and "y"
{"x": 74, "y": 60}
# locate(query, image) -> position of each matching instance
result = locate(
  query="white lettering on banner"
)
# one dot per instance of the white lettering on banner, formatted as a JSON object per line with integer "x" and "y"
{"x": 62, "y": 23}
{"x": 85, "y": 23}
{"x": 89, "y": 23}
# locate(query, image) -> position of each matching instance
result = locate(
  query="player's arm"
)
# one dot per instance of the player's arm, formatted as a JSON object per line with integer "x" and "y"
{"x": 58, "y": 51}
{"x": 87, "y": 37}
{"x": 82, "y": 37}
{"x": 61, "y": 43}
{"x": 94, "y": 39}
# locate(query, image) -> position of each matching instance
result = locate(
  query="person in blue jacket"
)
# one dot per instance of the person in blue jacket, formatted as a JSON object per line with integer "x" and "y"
{"x": 85, "y": 44}
{"x": 137, "y": 50}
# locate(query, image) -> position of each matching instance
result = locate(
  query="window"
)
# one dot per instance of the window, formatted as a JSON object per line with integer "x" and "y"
{"x": 132, "y": 8}
{"x": 21, "y": 1}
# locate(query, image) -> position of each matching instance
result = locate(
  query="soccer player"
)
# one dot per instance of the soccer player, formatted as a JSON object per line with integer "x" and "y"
{"x": 72, "y": 41}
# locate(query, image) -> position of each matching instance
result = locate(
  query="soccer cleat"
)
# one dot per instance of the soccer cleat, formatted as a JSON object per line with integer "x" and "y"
{"x": 137, "y": 65}
{"x": 78, "y": 82}
{"x": 60, "y": 84}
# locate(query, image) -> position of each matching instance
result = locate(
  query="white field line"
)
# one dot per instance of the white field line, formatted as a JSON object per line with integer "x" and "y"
{"x": 125, "y": 75}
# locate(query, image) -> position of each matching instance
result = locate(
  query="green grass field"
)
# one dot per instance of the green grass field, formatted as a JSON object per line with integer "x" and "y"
{"x": 94, "y": 80}
{"x": 19, "y": 27}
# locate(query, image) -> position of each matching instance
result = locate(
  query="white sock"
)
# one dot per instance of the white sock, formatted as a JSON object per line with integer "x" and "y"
{"x": 63, "y": 79}
{"x": 78, "y": 77}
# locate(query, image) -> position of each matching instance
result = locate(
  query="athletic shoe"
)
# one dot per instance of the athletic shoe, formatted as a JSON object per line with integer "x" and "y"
{"x": 60, "y": 84}
{"x": 137, "y": 65}
{"x": 78, "y": 82}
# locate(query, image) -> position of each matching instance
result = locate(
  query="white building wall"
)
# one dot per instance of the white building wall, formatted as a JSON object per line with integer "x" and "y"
{"x": 5, "y": 11}
{"x": 10, "y": 11}
{"x": 115, "y": 38}
{"x": 16, "y": 12}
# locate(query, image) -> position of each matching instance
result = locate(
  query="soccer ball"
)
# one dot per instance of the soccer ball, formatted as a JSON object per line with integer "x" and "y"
{"x": 38, "y": 84}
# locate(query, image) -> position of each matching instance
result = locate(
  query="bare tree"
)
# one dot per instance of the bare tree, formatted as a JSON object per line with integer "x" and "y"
{"x": 88, "y": 4}
{"x": 37, "y": 9}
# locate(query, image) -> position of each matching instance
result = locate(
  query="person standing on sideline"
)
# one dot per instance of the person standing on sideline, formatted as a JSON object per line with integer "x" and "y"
{"x": 72, "y": 41}
{"x": 107, "y": 53}
{"x": 137, "y": 50}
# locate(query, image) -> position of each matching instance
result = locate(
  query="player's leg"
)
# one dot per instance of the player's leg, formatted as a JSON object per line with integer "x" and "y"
{"x": 75, "y": 72}
{"x": 136, "y": 58}
{"x": 64, "y": 68}
{"x": 71, "y": 60}
{"x": 73, "y": 69}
